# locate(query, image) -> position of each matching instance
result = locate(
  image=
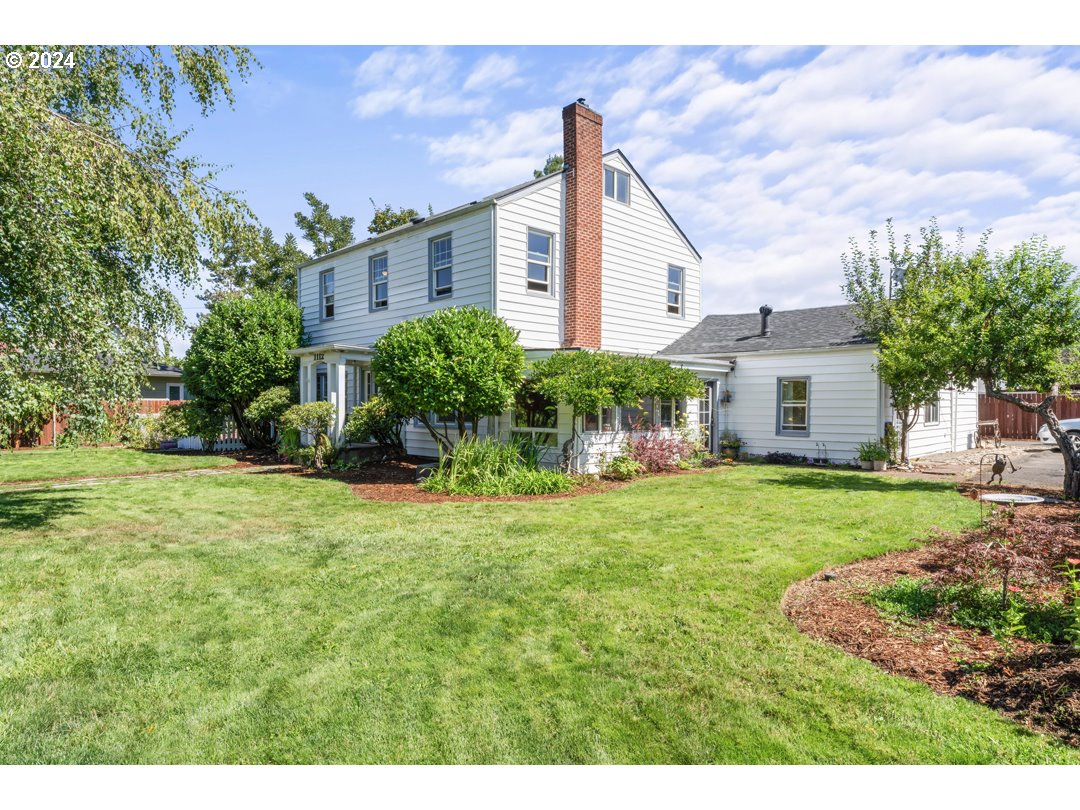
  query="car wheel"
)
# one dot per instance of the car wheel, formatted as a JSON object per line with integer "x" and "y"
{"x": 1074, "y": 437}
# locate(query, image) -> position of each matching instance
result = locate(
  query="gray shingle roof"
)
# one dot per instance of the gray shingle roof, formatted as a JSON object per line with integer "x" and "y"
{"x": 820, "y": 327}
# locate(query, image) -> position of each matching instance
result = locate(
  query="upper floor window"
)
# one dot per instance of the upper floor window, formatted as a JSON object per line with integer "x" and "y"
{"x": 539, "y": 261}
{"x": 616, "y": 185}
{"x": 442, "y": 264}
{"x": 379, "y": 269}
{"x": 326, "y": 294}
{"x": 793, "y": 405}
{"x": 932, "y": 412}
{"x": 676, "y": 277}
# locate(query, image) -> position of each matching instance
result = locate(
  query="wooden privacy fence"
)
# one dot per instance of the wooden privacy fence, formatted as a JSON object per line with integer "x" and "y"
{"x": 1018, "y": 424}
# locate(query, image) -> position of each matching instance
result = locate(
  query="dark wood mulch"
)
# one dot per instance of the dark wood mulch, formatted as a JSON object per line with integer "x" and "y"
{"x": 1035, "y": 684}
{"x": 396, "y": 481}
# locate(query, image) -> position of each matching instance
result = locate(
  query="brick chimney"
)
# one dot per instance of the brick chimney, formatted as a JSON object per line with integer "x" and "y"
{"x": 584, "y": 176}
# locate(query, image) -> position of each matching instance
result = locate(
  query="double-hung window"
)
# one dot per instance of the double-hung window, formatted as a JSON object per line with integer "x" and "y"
{"x": 174, "y": 392}
{"x": 326, "y": 295}
{"x": 676, "y": 278}
{"x": 379, "y": 270}
{"x": 616, "y": 185}
{"x": 932, "y": 412}
{"x": 442, "y": 266}
{"x": 793, "y": 406}
{"x": 538, "y": 261}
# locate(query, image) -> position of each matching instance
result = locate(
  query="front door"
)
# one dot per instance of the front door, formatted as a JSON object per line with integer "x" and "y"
{"x": 705, "y": 415}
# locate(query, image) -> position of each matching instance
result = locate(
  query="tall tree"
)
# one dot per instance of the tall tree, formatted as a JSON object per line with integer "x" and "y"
{"x": 386, "y": 218}
{"x": 896, "y": 300}
{"x": 238, "y": 350}
{"x": 101, "y": 215}
{"x": 322, "y": 229}
{"x": 1014, "y": 324}
{"x": 553, "y": 164}
{"x": 253, "y": 260}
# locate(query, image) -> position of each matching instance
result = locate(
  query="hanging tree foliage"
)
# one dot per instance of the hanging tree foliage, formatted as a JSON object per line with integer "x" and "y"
{"x": 100, "y": 214}
{"x": 590, "y": 381}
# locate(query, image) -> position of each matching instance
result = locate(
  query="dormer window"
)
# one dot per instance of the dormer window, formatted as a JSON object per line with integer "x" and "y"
{"x": 617, "y": 185}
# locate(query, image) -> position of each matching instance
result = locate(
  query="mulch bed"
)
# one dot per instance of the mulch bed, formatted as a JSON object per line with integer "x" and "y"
{"x": 396, "y": 481}
{"x": 1035, "y": 684}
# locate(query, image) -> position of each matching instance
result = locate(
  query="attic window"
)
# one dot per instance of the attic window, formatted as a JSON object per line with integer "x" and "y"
{"x": 617, "y": 185}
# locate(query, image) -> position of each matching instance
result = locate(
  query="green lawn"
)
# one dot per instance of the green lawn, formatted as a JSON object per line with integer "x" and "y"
{"x": 41, "y": 465}
{"x": 269, "y": 618}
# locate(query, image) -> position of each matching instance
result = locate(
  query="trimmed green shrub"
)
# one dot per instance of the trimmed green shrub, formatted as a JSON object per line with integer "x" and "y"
{"x": 377, "y": 420}
{"x": 313, "y": 419}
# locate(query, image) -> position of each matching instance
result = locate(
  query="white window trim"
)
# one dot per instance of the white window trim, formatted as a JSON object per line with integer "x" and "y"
{"x": 926, "y": 412}
{"x": 433, "y": 295}
{"x": 179, "y": 398}
{"x": 371, "y": 283}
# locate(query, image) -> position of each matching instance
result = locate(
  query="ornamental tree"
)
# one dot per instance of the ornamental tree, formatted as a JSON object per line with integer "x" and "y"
{"x": 460, "y": 362}
{"x": 26, "y": 402}
{"x": 590, "y": 381}
{"x": 101, "y": 214}
{"x": 897, "y": 301}
{"x": 1014, "y": 324}
{"x": 238, "y": 350}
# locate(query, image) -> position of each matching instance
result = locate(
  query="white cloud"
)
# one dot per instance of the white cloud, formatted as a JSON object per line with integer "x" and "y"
{"x": 772, "y": 158}
{"x": 494, "y": 70}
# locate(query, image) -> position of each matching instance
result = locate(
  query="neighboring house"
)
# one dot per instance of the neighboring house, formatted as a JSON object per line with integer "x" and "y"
{"x": 163, "y": 382}
{"x": 585, "y": 258}
{"x": 803, "y": 381}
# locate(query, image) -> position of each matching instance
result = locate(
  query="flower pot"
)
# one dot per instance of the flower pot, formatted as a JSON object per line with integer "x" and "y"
{"x": 879, "y": 465}
{"x": 868, "y": 465}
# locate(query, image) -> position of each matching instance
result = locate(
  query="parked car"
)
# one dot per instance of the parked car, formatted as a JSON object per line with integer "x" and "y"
{"x": 1072, "y": 426}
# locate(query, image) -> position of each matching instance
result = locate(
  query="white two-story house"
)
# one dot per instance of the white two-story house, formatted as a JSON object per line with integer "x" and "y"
{"x": 589, "y": 259}
{"x": 586, "y": 258}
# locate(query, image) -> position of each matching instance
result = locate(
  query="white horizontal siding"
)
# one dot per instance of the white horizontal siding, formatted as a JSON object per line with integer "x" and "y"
{"x": 639, "y": 244}
{"x": 954, "y": 430}
{"x": 407, "y": 257}
{"x": 537, "y": 315}
{"x": 844, "y": 401}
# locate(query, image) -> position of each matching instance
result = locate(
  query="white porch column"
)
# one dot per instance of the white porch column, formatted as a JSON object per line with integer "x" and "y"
{"x": 305, "y": 372}
{"x": 311, "y": 382}
{"x": 335, "y": 382}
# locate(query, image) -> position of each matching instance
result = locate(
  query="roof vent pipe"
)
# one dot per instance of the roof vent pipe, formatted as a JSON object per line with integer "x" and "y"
{"x": 765, "y": 311}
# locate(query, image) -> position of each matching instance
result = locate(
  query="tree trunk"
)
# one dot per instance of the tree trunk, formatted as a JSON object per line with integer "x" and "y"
{"x": 1070, "y": 453}
{"x": 908, "y": 419}
{"x": 251, "y": 436}
{"x": 446, "y": 447}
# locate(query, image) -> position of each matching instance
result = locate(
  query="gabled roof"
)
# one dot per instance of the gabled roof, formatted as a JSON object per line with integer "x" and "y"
{"x": 420, "y": 222}
{"x": 476, "y": 205}
{"x": 817, "y": 328}
{"x": 656, "y": 200}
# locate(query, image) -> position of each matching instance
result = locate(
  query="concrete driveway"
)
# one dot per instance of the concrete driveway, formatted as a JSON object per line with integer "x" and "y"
{"x": 1036, "y": 465}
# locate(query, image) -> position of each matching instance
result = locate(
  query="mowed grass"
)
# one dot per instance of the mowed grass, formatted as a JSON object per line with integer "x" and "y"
{"x": 47, "y": 463}
{"x": 269, "y": 618}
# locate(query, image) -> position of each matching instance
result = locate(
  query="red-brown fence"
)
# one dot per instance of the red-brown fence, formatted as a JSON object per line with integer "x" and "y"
{"x": 1018, "y": 424}
{"x": 45, "y": 438}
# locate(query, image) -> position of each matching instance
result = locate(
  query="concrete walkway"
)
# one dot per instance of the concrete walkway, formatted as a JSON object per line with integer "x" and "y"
{"x": 1036, "y": 465}
{"x": 34, "y": 486}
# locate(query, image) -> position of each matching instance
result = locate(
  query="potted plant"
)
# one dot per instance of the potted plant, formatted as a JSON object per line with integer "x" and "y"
{"x": 873, "y": 455}
{"x": 730, "y": 444}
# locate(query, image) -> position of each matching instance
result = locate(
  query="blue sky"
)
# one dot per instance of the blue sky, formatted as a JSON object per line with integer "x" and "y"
{"x": 770, "y": 158}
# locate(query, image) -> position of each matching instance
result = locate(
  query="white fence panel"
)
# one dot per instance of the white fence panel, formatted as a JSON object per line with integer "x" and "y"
{"x": 228, "y": 440}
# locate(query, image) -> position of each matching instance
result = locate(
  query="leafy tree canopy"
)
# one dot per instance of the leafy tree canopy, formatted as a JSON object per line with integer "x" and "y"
{"x": 252, "y": 259}
{"x": 238, "y": 350}
{"x": 590, "y": 381}
{"x": 461, "y": 362}
{"x": 554, "y": 164}
{"x": 101, "y": 214}
{"x": 386, "y": 218}
{"x": 325, "y": 232}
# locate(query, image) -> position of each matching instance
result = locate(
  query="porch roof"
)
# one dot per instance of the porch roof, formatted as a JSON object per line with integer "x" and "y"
{"x": 363, "y": 352}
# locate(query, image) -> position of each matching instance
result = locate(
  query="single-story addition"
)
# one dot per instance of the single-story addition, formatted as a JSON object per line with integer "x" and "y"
{"x": 803, "y": 381}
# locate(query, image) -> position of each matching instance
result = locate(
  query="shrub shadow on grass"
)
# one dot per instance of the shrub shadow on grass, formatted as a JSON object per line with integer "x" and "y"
{"x": 35, "y": 510}
{"x": 852, "y": 481}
